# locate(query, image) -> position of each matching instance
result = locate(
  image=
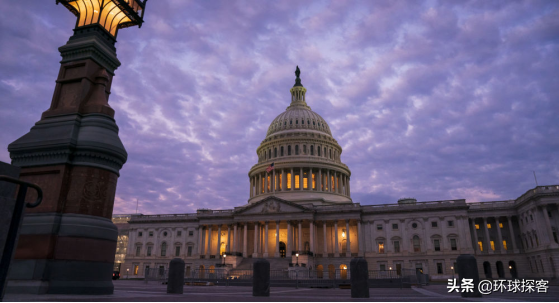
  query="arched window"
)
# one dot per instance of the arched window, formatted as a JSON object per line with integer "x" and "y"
{"x": 269, "y": 154}
{"x": 290, "y": 122}
{"x": 330, "y": 153}
{"x": 313, "y": 123}
{"x": 289, "y": 150}
{"x": 296, "y": 149}
{"x": 285, "y": 123}
{"x": 297, "y": 121}
{"x": 318, "y": 150}
{"x": 302, "y": 121}
{"x": 275, "y": 152}
{"x": 304, "y": 149}
{"x": 281, "y": 151}
{"x": 312, "y": 150}
{"x": 416, "y": 244}
{"x": 163, "y": 249}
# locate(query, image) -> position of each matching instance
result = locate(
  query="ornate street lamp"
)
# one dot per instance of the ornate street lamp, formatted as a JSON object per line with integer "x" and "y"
{"x": 75, "y": 152}
{"x": 297, "y": 255}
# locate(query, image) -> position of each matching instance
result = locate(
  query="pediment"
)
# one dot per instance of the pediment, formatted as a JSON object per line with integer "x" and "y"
{"x": 272, "y": 205}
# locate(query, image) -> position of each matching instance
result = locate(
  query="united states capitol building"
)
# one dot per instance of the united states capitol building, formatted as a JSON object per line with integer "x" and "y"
{"x": 300, "y": 213}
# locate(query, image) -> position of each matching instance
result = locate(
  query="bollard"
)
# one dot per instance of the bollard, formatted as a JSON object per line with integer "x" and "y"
{"x": 359, "y": 271}
{"x": 467, "y": 269}
{"x": 175, "y": 282}
{"x": 261, "y": 278}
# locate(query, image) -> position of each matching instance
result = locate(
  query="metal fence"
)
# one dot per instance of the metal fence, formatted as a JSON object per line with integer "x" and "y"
{"x": 156, "y": 274}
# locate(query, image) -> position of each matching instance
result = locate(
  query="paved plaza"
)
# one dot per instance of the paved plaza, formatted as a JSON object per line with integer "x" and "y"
{"x": 134, "y": 290}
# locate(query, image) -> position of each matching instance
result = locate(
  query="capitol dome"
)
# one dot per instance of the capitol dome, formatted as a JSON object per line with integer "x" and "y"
{"x": 307, "y": 167}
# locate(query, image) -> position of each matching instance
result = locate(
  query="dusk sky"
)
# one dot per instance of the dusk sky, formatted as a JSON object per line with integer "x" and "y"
{"x": 433, "y": 100}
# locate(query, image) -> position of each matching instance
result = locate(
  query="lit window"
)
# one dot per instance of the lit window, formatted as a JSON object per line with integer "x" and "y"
{"x": 500, "y": 225}
{"x": 313, "y": 180}
{"x": 297, "y": 181}
{"x": 288, "y": 180}
{"x": 381, "y": 247}
{"x": 477, "y": 226}
{"x": 492, "y": 245}
{"x": 269, "y": 184}
{"x": 480, "y": 244}
{"x": 505, "y": 244}
{"x": 488, "y": 225}
{"x": 280, "y": 183}
{"x": 136, "y": 269}
{"x": 305, "y": 180}
{"x": 333, "y": 183}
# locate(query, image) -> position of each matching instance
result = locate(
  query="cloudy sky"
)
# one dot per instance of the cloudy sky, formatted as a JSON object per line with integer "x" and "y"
{"x": 433, "y": 100}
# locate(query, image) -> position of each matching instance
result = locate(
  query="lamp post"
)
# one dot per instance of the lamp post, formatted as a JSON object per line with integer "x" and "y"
{"x": 127, "y": 272}
{"x": 297, "y": 255}
{"x": 453, "y": 272}
{"x": 224, "y": 256}
{"x": 75, "y": 150}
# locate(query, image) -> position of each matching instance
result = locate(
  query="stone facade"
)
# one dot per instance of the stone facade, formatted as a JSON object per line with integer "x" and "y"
{"x": 300, "y": 211}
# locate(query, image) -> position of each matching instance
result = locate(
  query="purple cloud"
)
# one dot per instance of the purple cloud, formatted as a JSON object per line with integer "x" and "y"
{"x": 431, "y": 100}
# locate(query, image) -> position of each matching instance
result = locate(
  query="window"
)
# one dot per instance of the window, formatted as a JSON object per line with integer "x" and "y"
{"x": 151, "y": 233}
{"x": 488, "y": 226}
{"x": 395, "y": 226}
{"x": 325, "y": 152}
{"x": 275, "y": 152}
{"x": 269, "y": 154}
{"x": 379, "y": 226}
{"x": 165, "y": 234}
{"x": 297, "y": 181}
{"x": 290, "y": 122}
{"x": 437, "y": 243}
{"x": 163, "y": 249}
{"x": 138, "y": 248}
{"x": 281, "y": 151}
{"x": 269, "y": 184}
{"x": 289, "y": 150}
{"x": 191, "y": 233}
{"x": 149, "y": 251}
{"x": 318, "y": 151}
{"x": 453, "y": 244}
{"x": 414, "y": 225}
{"x": 381, "y": 247}
{"x": 505, "y": 244}
{"x": 179, "y": 233}
{"x": 477, "y": 226}
{"x": 288, "y": 180}
{"x": 189, "y": 251}
{"x": 296, "y": 149}
{"x": 531, "y": 218}
{"x": 330, "y": 154}
{"x": 500, "y": 225}
{"x": 480, "y": 244}
{"x": 396, "y": 246}
{"x": 416, "y": 244}
{"x": 451, "y": 223}
{"x": 302, "y": 121}
{"x": 383, "y": 267}
{"x": 434, "y": 224}
{"x": 139, "y": 234}
{"x": 492, "y": 245}
{"x": 136, "y": 269}
{"x": 177, "y": 251}
{"x": 304, "y": 149}
{"x": 312, "y": 150}
{"x": 439, "y": 268}
{"x": 313, "y": 181}
{"x": 297, "y": 121}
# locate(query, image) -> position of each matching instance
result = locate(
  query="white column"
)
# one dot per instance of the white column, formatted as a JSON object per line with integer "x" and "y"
{"x": 255, "y": 253}
{"x": 329, "y": 181}
{"x": 319, "y": 180}
{"x": 548, "y": 231}
{"x": 325, "y": 252}
{"x": 209, "y": 250}
{"x": 273, "y": 180}
{"x": 266, "y": 240}
{"x": 235, "y": 239}
{"x": 266, "y": 183}
{"x": 476, "y": 246}
{"x": 276, "y": 253}
{"x": 245, "y": 240}
{"x": 311, "y": 227}
{"x": 289, "y": 237}
{"x": 292, "y": 182}
{"x": 300, "y": 236}
{"x": 488, "y": 240}
{"x": 348, "y": 242}
{"x": 499, "y": 235}
{"x": 359, "y": 238}
{"x": 218, "y": 240}
{"x": 228, "y": 247}
{"x": 348, "y": 186}
{"x": 511, "y": 233}
{"x": 336, "y": 247}
{"x": 283, "y": 181}
{"x": 200, "y": 243}
{"x": 301, "y": 178}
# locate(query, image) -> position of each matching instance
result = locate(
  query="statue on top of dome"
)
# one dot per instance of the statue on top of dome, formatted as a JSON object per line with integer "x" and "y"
{"x": 297, "y": 71}
{"x": 297, "y": 80}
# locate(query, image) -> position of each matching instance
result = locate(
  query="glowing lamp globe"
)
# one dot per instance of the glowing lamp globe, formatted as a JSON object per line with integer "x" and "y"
{"x": 111, "y": 15}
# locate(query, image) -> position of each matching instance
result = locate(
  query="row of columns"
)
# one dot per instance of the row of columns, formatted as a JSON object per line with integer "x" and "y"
{"x": 294, "y": 239}
{"x": 259, "y": 183}
{"x": 487, "y": 244}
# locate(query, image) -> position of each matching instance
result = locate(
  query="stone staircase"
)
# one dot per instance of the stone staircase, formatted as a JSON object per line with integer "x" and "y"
{"x": 275, "y": 263}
